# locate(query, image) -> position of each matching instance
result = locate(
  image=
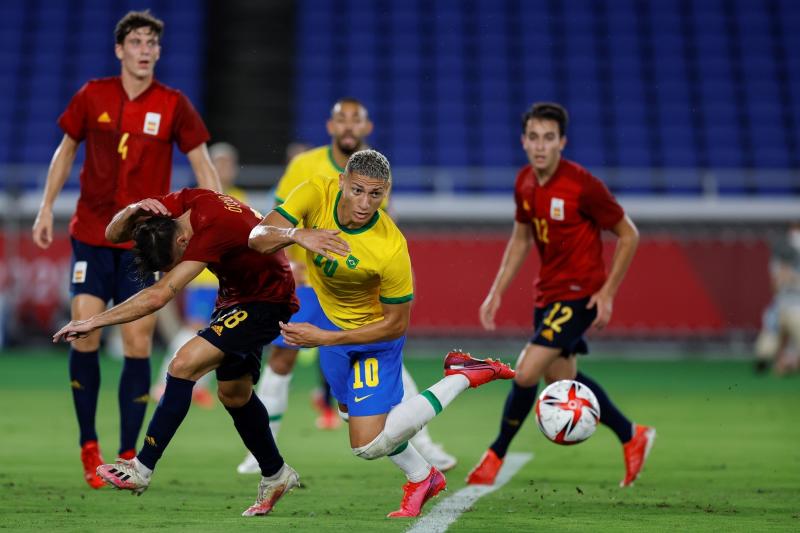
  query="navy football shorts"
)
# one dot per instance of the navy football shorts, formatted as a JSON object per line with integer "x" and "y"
{"x": 241, "y": 332}
{"x": 108, "y": 273}
{"x": 562, "y": 325}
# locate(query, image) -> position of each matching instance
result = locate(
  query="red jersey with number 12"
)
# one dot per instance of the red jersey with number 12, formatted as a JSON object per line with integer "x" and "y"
{"x": 567, "y": 214}
{"x": 221, "y": 226}
{"x": 128, "y": 148}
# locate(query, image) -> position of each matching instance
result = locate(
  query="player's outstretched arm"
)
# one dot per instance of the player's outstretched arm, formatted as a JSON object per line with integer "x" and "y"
{"x": 628, "y": 241}
{"x": 120, "y": 229}
{"x": 203, "y": 168}
{"x": 276, "y": 232}
{"x": 393, "y": 326}
{"x": 143, "y": 303}
{"x": 517, "y": 248}
{"x": 57, "y": 175}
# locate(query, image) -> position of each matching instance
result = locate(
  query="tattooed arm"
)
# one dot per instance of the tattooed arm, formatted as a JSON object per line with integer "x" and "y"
{"x": 143, "y": 303}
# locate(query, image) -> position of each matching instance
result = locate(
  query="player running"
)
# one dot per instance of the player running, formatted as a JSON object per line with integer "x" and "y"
{"x": 129, "y": 123}
{"x": 561, "y": 208}
{"x": 361, "y": 271}
{"x": 182, "y": 234}
{"x": 349, "y": 126}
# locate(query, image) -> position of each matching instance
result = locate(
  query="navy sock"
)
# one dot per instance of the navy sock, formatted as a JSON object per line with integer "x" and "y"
{"x": 519, "y": 404}
{"x": 169, "y": 414}
{"x": 84, "y": 377}
{"x": 609, "y": 414}
{"x": 134, "y": 385}
{"x": 252, "y": 422}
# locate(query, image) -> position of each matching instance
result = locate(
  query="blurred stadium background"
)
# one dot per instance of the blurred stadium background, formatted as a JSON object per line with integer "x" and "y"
{"x": 688, "y": 109}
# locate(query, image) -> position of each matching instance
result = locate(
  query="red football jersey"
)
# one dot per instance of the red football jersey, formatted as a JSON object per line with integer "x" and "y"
{"x": 128, "y": 148}
{"x": 221, "y": 226}
{"x": 566, "y": 214}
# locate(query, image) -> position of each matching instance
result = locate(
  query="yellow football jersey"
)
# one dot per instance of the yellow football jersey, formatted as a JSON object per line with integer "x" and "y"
{"x": 377, "y": 270}
{"x": 313, "y": 163}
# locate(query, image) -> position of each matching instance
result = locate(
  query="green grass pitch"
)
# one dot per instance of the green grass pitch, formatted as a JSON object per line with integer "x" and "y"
{"x": 726, "y": 459}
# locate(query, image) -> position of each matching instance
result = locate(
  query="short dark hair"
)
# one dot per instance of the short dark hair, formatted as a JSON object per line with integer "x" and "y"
{"x": 547, "y": 111}
{"x": 154, "y": 238}
{"x": 349, "y": 100}
{"x": 135, "y": 20}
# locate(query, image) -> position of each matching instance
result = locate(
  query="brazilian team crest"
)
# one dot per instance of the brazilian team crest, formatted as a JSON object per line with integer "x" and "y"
{"x": 352, "y": 262}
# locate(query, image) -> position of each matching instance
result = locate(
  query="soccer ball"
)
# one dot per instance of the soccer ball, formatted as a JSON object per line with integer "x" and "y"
{"x": 567, "y": 412}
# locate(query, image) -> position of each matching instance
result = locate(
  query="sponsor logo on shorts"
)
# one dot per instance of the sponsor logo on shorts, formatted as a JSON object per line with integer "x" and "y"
{"x": 362, "y": 398}
{"x": 217, "y": 329}
{"x": 79, "y": 271}
{"x": 547, "y": 334}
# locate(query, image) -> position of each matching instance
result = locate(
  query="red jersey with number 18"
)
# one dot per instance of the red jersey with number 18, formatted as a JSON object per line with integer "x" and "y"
{"x": 128, "y": 148}
{"x": 221, "y": 226}
{"x": 567, "y": 214}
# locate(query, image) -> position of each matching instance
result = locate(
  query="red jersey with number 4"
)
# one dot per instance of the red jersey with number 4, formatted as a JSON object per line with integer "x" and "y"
{"x": 567, "y": 214}
{"x": 221, "y": 226}
{"x": 128, "y": 148}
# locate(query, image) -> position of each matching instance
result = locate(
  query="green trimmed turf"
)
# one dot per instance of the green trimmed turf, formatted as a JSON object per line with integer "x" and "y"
{"x": 726, "y": 458}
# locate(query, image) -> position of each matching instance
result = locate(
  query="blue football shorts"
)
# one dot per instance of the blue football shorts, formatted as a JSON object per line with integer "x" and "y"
{"x": 310, "y": 311}
{"x": 367, "y": 378}
{"x": 108, "y": 273}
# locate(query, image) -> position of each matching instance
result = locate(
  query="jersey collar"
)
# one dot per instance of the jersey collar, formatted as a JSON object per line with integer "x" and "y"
{"x": 362, "y": 229}
{"x": 332, "y": 160}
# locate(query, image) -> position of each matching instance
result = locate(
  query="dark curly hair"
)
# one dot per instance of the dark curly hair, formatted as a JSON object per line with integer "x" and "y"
{"x": 154, "y": 238}
{"x": 135, "y": 20}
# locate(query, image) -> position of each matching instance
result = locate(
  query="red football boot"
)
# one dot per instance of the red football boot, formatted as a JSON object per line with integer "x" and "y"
{"x": 477, "y": 371}
{"x": 636, "y": 451}
{"x": 486, "y": 470}
{"x": 416, "y": 494}
{"x": 127, "y": 454}
{"x": 91, "y": 459}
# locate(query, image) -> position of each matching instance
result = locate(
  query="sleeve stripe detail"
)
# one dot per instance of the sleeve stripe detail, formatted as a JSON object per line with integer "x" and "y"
{"x": 397, "y": 300}
{"x": 286, "y": 215}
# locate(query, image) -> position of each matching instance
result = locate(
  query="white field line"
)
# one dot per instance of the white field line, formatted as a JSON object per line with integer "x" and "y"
{"x": 448, "y": 510}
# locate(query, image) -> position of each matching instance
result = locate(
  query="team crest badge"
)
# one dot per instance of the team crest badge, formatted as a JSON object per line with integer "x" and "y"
{"x": 152, "y": 122}
{"x": 217, "y": 329}
{"x": 557, "y": 208}
{"x": 352, "y": 262}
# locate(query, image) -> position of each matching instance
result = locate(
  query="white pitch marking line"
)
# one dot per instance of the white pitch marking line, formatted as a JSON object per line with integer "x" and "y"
{"x": 448, "y": 510}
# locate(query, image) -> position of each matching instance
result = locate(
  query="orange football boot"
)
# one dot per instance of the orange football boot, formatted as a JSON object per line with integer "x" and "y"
{"x": 486, "y": 470}
{"x": 91, "y": 459}
{"x": 636, "y": 451}
{"x": 416, "y": 494}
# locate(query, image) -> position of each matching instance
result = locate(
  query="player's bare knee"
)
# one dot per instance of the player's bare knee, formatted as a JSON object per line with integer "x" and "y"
{"x": 181, "y": 367}
{"x": 526, "y": 379}
{"x": 232, "y": 398}
{"x": 281, "y": 360}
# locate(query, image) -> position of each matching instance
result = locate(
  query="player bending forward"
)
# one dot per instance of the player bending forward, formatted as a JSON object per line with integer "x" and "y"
{"x": 181, "y": 234}
{"x": 361, "y": 271}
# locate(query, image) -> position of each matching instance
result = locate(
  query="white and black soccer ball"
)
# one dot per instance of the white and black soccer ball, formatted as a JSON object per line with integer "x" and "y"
{"x": 567, "y": 412}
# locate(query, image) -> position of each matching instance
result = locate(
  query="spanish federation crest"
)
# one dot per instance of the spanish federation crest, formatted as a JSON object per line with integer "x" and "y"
{"x": 352, "y": 262}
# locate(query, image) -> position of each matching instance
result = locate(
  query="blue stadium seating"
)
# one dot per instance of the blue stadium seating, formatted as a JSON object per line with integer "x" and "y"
{"x": 49, "y": 49}
{"x": 712, "y": 69}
